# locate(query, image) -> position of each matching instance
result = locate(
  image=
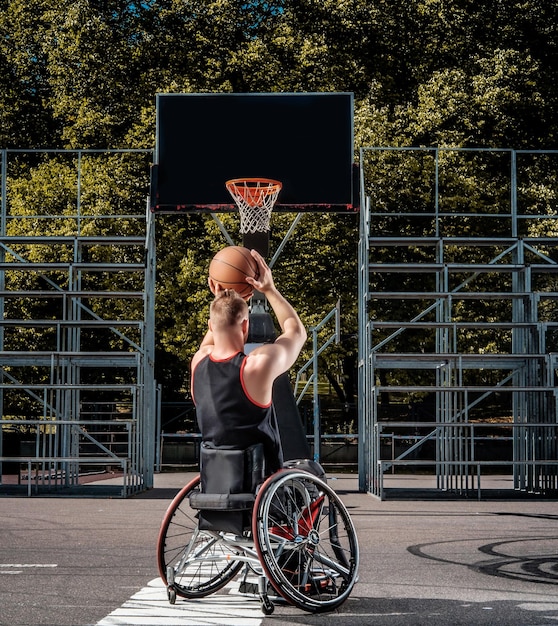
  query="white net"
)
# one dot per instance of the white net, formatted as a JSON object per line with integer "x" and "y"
{"x": 255, "y": 198}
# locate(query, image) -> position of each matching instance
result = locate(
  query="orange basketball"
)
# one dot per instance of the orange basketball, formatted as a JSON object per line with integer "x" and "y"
{"x": 229, "y": 268}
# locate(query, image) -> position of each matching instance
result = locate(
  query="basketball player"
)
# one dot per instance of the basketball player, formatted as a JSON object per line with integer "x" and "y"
{"x": 232, "y": 390}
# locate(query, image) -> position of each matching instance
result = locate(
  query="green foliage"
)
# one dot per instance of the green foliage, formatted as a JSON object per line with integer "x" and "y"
{"x": 84, "y": 74}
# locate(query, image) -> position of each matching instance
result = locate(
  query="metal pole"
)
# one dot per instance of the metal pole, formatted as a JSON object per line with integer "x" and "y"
{"x": 316, "y": 399}
{"x": 3, "y": 218}
{"x": 149, "y": 410}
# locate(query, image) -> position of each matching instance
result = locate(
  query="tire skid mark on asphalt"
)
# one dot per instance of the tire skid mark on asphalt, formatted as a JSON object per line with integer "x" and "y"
{"x": 150, "y": 606}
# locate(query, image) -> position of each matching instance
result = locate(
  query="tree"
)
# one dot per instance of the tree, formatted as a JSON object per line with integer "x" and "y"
{"x": 84, "y": 74}
{"x": 25, "y": 94}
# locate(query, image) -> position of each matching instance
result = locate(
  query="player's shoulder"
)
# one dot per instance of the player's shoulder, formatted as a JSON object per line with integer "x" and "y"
{"x": 259, "y": 356}
{"x": 201, "y": 354}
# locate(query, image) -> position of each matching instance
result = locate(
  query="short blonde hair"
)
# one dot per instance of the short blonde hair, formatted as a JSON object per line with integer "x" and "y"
{"x": 227, "y": 310}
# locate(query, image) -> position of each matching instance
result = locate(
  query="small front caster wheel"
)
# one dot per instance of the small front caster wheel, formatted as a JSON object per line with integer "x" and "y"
{"x": 171, "y": 595}
{"x": 267, "y": 606}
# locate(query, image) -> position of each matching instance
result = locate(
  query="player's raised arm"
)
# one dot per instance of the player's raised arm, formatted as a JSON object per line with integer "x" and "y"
{"x": 270, "y": 360}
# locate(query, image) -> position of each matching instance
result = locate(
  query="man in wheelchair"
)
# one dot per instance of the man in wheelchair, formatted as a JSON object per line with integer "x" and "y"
{"x": 232, "y": 391}
{"x": 288, "y": 528}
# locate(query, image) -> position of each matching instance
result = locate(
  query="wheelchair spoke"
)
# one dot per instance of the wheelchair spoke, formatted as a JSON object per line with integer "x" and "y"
{"x": 306, "y": 541}
{"x": 200, "y": 563}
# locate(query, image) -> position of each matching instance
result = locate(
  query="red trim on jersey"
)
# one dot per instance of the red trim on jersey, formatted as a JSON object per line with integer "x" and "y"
{"x": 227, "y": 358}
{"x": 263, "y": 406}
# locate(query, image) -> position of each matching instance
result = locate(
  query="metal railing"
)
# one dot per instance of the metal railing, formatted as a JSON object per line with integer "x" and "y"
{"x": 48, "y": 253}
{"x": 457, "y": 266}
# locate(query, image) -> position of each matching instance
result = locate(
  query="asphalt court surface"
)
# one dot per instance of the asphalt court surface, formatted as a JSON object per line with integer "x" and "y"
{"x": 91, "y": 561}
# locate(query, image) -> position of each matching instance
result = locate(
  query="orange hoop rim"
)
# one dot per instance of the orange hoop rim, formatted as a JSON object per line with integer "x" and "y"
{"x": 243, "y": 186}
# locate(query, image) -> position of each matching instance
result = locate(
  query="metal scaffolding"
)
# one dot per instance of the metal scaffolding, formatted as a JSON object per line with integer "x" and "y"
{"x": 458, "y": 259}
{"x": 77, "y": 389}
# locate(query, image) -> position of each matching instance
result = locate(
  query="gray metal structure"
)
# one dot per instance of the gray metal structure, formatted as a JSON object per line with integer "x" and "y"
{"x": 438, "y": 280}
{"x": 458, "y": 258}
{"x": 79, "y": 382}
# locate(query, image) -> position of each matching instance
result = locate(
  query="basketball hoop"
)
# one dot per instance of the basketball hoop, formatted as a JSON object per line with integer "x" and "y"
{"x": 255, "y": 198}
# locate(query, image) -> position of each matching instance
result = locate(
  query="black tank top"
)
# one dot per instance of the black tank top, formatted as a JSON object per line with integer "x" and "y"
{"x": 227, "y": 416}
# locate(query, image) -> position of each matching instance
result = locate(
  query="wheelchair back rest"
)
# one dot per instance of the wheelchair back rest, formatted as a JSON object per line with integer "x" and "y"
{"x": 229, "y": 479}
{"x": 226, "y": 471}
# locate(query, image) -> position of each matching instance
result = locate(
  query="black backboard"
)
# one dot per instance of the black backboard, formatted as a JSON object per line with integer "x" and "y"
{"x": 304, "y": 140}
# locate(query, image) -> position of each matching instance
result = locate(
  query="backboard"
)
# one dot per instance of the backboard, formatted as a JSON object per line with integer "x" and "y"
{"x": 304, "y": 140}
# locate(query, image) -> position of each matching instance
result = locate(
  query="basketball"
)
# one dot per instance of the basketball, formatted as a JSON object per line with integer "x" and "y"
{"x": 229, "y": 268}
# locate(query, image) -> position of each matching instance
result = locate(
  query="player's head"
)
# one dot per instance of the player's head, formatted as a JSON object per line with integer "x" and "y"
{"x": 227, "y": 311}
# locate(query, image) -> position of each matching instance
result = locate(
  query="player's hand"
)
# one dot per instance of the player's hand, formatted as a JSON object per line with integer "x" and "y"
{"x": 264, "y": 282}
{"x": 215, "y": 288}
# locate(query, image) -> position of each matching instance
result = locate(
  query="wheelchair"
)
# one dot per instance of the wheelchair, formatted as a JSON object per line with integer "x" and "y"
{"x": 288, "y": 537}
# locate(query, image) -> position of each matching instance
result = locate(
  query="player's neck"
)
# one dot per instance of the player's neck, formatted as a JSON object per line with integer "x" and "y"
{"x": 227, "y": 345}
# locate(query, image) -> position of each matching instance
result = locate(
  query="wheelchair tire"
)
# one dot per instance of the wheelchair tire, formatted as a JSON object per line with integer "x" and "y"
{"x": 180, "y": 542}
{"x": 305, "y": 540}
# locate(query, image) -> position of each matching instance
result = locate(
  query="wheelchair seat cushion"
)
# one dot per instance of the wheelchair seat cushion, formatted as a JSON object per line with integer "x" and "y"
{"x": 222, "y": 501}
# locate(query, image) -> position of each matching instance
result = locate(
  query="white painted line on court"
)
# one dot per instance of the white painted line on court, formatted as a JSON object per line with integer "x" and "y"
{"x": 150, "y": 607}
{"x": 18, "y": 568}
{"x": 28, "y": 565}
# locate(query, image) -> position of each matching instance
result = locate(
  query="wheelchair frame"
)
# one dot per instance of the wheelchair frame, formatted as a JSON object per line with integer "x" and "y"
{"x": 297, "y": 543}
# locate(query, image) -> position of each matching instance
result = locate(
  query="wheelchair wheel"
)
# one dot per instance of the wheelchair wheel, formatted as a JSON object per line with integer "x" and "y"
{"x": 197, "y": 558}
{"x": 305, "y": 540}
